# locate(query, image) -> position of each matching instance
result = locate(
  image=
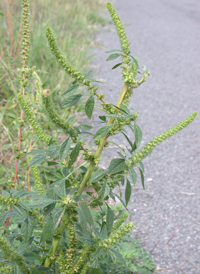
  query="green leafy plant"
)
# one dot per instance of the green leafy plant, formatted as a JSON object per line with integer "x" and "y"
{"x": 69, "y": 226}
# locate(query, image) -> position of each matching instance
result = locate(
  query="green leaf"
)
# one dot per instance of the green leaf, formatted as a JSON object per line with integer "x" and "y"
{"x": 116, "y": 66}
{"x": 118, "y": 256}
{"x": 97, "y": 176}
{"x": 85, "y": 126}
{"x": 82, "y": 221}
{"x": 20, "y": 212}
{"x": 64, "y": 149}
{"x": 27, "y": 228}
{"x": 135, "y": 61}
{"x": 102, "y": 132}
{"x": 38, "y": 159}
{"x": 74, "y": 154}
{"x": 109, "y": 219}
{"x": 3, "y": 217}
{"x": 113, "y": 56}
{"x": 71, "y": 101}
{"x": 142, "y": 177}
{"x": 43, "y": 202}
{"x": 103, "y": 118}
{"x": 72, "y": 87}
{"x": 133, "y": 175}
{"x": 129, "y": 141}
{"x": 105, "y": 190}
{"x": 127, "y": 192}
{"x": 87, "y": 72}
{"x": 87, "y": 214}
{"x": 89, "y": 106}
{"x": 116, "y": 165}
{"x": 142, "y": 166}
{"x": 37, "y": 151}
{"x": 12, "y": 115}
{"x": 104, "y": 232}
{"x": 138, "y": 135}
{"x": 113, "y": 50}
{"x": 48, "y": 230}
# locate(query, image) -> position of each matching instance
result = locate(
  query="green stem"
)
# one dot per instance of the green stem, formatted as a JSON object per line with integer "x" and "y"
{"x": 84, "y": 182}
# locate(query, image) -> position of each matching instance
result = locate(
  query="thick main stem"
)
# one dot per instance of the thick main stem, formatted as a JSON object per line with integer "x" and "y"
{"x": 84, "y": 181}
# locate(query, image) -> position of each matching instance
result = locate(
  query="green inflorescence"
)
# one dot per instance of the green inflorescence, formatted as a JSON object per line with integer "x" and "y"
{"x": 12, "y": 255}
{"x": 4, "y": 200}
{"x": 146, "y": 150}
{"x": 117, "y": 235}
{"x": 55, "y": 117}
{"x": 37, "y": 179}
{"x": 31, "y": 117}
{"x": 119, "y": 222}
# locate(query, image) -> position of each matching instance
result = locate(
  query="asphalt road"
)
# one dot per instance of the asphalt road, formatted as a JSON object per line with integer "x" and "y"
{"x": 165, "y": 35}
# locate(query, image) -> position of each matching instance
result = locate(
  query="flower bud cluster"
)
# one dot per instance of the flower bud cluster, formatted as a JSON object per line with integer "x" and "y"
{"x": 91, "y": 157}
{"x": 55, "y": 117}
{"x": 31, "y": 117}
{"x": 82, "y": 259}
{"x": 148, "y": 148}
{"x": 117, "y": 235}
{"x": 4, "y": 200}
{"x": 37, "y": 180}
{"x": 6, "y": 269}
{"x": 39, "y": 87}
{"x": 12, "y": 256}
{"x": 25, "y": 31}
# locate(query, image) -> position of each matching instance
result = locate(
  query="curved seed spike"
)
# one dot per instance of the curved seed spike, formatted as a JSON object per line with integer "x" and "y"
{"x": 31, "y": 117}
{"x": 37, "y": 179}
{"x": 55, "y": 116}
{"x": 148, "y": 148}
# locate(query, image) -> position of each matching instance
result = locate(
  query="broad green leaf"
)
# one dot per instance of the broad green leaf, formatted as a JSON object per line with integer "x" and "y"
{"x": 12, "y": 115}
{"x": 117, "y": 165}
{"x": 89, "y": 106}
{"x": 74, "y": 154}
{"x": 113, "y": 56}
{"x": 87, "y": 213}
{"x": 64, "y": 149}
{"x": 84, "y": 126}
{"x": 3, "y": 217}
{"x": 97, "y": 176}
{"x": 118, "y": 256}
{"x": 19, "y": 211}
{"x": 118, "y": 197}
{"x": 72, "y": 87}
{"x": 38, "y": 159}
{"x": 142, "y": 177}
{"x": 59, "y": 188}
{"x": 37, "y": 151}
{"x": 87, "y": 72}
{"x": 116, "y": 66}
{"x": 113, "y": 50}
{"x": 103, "y": 118}
{"x": 105, "y": 190}
{"x": 129, "y": 141}
{"x": 82, "y": 220}
{"x": 133, "y": 175}
{"x": 127, "y": 192}
{"x": 102, "y": 132}
{"x": 109, "y": 219}
{"x": 71, "y": 100}
{"x": 138, "y": 135}
{"x": 43, "y": 202}
{"x": 48, "y": 230}
{"x": 27, "y": 228}
{"x": 104, "y": 232}
{"x": 22, "y": 247}
{"x": 142, "y": 166}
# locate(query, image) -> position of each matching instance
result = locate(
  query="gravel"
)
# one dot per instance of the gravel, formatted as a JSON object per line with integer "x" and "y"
{"x": 165, "y": 35}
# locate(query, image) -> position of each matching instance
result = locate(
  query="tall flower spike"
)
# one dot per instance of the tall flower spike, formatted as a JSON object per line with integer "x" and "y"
{"x": 65, "y": 65}
{"x": 148, "y": 148}
{"x": 25, "y": 31}
{"x": 126, "y": 68}
{"x": 12, "y": 256}
{"x": 31, "y": 117}
{"x": 117, "y": 235}
{"x": 55, "y": 117}
{"x": 37, "y": 179}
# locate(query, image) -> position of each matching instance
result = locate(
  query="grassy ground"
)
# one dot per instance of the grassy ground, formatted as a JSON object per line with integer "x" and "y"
{"x": 74, "y": 24}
